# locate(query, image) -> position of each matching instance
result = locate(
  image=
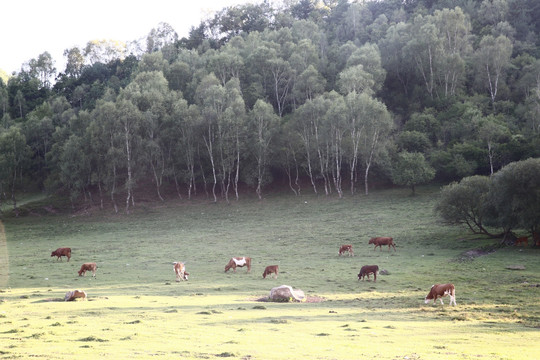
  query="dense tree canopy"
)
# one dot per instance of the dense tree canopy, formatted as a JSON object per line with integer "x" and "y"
{"x": 335, "y": 94}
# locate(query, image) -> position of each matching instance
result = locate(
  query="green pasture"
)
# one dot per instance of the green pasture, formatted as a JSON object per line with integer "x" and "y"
{"x": 136, "y": 310}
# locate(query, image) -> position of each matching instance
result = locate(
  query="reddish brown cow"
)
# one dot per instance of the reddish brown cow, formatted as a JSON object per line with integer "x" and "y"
{"x": 536, "y": 237}
{"x": 346, "y": 248}
{"x": 368, "y": 270}
{"x": 62, "y": 252}
{"x": 180, "y": 271}
{"x": 238, "y": 262}
{"x": 271, "y": 269}
{"x": 88, "y": 267}
{"x": 75, "y": 294}
{"x": 379, "y": 241}
{"x": 522, "y": 240}
{"x": 441, "y": 290}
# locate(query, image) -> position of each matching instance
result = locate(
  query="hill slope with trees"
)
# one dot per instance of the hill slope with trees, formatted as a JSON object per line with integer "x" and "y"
{"x": 326, "y": 96}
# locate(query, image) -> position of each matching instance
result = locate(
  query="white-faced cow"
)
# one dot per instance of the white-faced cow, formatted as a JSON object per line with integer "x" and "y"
{"x": 272, "y": 269}
{"x": 180, "y": 271}
{"x": 440, "y": 291}
{"x": 238, "y": 262}
{"x": 88, "y": 267}
{"x": 62, "y": 252}
{"x": 367, "y": 270}
{"x": 381, "y": 240}
{"x": 346, "y": 248}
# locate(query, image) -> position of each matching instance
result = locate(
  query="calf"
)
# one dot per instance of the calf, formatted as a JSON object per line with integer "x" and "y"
{"x": 346, "y": 248}
{"x": 88, "y": 267}
{"x": 62, "y": 252}
{"x": 271, "y": 269}
{"x": 522, "y": 240}
{"x": 180, "y": 271}
{"x": 238, "y": 262}
{"x": 441, "y": 290}
{"x": 367, "y": 270}
{"x": 75, "y": 294}
{"x": 379, "y": 241}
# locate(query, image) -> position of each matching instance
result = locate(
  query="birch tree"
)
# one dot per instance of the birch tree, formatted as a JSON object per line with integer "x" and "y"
{"x": 492, "y": 59}
{"x": 263, "y": 124}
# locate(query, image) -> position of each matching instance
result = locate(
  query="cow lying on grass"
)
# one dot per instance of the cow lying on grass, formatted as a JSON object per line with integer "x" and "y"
{"x": 238, "y": 262}
{"x": 75, "y": 294}
{"x": 346, "y": 248}
{"x": 379, "y": 241}
{"x": 522, "y": 240}
{"x": 180, "y": 271}
{"x": 62, "y": 252}
{"x": 440, "y": 291}
{"x": 367, "y": 270}
{"x": 271, "y": 269}
{"x": 88, "y": 267}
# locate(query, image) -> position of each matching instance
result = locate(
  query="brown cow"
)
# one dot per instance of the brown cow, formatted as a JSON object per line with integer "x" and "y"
{"x": 379, "y": 241}
{"x": 62, "y": 252}
{"x": 536, "y": 237}
{"x": 88, "y": 267}
{"x": 367, "y": 270}
{"x": 75, "y": 294}
{"x": 346, "y": 248}
{"x": 441, "y": 290}
{"x": 522, "y": 240}
{"x": 271, "y": 269}
{"x": 240, "y": 262}
{"x": 180, "y": 271}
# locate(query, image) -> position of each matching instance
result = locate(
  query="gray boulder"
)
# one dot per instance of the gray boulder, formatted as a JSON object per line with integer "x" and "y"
{"x": 285, "y": 293}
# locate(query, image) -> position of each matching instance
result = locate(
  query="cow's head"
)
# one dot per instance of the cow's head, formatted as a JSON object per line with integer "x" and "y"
{"x": 371, "y": 241}
{"x": 186, "y": 276}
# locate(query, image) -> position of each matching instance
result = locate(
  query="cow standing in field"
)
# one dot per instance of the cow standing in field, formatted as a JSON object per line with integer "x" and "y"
{"x": 379, "y": 241}
{"x": 88, "y": 267}
{"x": 440, "y": 291}
{"x": 62, "y": 252}
{"x": 367, "y": 270}
{"x": 180, "y": 271}
{"x": 238, "y": 262}
{"x": 522, "y": 240}
{"x": 346, "y": 248}
{"x": 271, "y": 269}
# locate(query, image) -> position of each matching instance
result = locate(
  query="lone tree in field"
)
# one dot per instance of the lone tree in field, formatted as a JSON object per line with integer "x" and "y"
{"x": 465, "y": 203}
{"x": 514, "y": 197}
{"x": 411, "y": 169}
{"x": 508, "y": 200}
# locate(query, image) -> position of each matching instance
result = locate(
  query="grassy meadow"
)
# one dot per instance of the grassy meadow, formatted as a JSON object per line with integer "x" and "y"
{"x": 136, "y": 310}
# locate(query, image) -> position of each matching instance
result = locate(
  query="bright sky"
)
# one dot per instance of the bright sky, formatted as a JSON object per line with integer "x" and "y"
{"x": 28, "y": 28}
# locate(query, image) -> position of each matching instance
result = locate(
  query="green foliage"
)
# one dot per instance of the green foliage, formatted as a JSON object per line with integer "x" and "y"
{"x": 457, "y": 79}
{"x": 411, "y": 169}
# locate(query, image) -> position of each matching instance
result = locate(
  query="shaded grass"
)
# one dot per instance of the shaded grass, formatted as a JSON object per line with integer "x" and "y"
{"x": 138, "y": 310}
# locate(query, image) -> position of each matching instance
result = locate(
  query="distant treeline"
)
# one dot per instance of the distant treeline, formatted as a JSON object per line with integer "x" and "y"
{"x": 322, "y": 96}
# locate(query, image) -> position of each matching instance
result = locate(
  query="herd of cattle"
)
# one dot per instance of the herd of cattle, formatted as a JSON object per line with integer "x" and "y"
{"x": 437, "y": 291}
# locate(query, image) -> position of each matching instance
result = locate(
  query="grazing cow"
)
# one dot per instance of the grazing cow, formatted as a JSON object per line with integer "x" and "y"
{"x": 62, "y": 252}
{"x": 379, "y": 241}
{"x": 271, "y": 269}
{"x": 522, "y": 240}
{"x": 88, "y": 267}
{"x": 367, "y": 270}
{"x": 75, "y": 294}
{"x": 240, "y": 262}
{"x": 180, "y": 271}
{"x": 346, "y": 248}
{"x": 536, "y": 237}
{"x": 441, "y": 290}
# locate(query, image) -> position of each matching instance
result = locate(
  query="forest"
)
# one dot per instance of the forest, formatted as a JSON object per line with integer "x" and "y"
{"x": 325, "y": 96}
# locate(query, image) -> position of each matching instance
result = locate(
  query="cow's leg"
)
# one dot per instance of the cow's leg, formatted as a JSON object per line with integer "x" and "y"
{"x": 375, "y": 277}
{"x": 442, "y": 303}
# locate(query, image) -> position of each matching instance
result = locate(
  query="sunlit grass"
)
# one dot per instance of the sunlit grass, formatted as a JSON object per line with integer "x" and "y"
{"x": 135, "y": 309}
